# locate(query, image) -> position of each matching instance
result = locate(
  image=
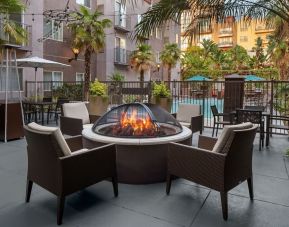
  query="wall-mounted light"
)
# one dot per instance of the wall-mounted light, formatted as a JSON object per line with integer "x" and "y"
{"x": 76, "y": 53}
{"x": 158, "y": 65}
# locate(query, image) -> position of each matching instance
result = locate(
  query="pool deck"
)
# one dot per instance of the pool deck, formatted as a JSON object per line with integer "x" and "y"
{"x": 189, "y": 205}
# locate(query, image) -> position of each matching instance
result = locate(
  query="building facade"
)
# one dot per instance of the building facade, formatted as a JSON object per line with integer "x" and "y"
{"x": 228, "y": 34}
{"x": 52, "y": 41}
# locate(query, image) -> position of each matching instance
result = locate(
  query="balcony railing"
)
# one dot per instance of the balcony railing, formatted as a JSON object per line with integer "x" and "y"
{"x": 261, "y": 28}
{"x": 226, "y": 31}
{"x": 121, "y": 56}
{"x": 122, "y": 22}
{"x": 11, "y": 40}
{"x": 225, "y": 44}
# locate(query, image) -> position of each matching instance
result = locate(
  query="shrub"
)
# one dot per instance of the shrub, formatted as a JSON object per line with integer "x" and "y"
{"x": 97, "y": 88}
{"x": 161, "y": 90}
{"x": 70, "y": 91}
{"x": 117, "y": 77}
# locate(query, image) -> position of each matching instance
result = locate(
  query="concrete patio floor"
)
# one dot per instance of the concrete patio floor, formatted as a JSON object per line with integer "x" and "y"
{"x": 188, "y": 205}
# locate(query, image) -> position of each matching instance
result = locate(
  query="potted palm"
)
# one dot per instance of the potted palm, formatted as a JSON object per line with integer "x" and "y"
{"x": 162, "y": 96}
{"x": 98, "y": 99}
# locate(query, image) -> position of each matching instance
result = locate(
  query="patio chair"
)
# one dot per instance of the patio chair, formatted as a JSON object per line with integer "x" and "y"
{"x": 219, "y": 119}
{"x": 220, "y": 164}
{"x": 57, "y": 109}
{"x": 189, "y": 115}
{"x": 63, "y": 167}
{"x": 278, "y": 123}
{"x": 255, "y": 117}
{"x": 74, "y": 118}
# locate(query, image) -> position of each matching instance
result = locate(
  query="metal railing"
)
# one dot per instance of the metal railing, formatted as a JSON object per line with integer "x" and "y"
{"x": 121, "y": 56}
{"x": 10, "y": 40}
{"x": 273, "y": 95}
{"x": 122, "y": 22}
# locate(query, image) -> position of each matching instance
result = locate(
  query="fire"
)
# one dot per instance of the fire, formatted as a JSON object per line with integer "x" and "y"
{"x": 134, "y": 125}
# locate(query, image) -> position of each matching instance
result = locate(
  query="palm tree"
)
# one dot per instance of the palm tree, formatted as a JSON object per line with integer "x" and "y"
{"x": 141, "y": 60}
{"x": 166, "y": 10}
{"x": 9, "y": 27}
{"x": 170, "y": 55}
{"x": 88, "y": 33}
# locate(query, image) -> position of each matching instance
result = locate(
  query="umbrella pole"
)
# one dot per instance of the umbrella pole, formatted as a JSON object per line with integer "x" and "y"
{"x": 6, "y": 94}
{"x": 35, "y": 84}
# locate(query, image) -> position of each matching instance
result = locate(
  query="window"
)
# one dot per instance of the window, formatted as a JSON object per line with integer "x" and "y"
{"x": 120, "y": 14}
{"x": 139, "y": 18}
{"x": 52, "y": 80}
{"x": 205, "y": 25}
{"x": 185, "y": 21}
{"x": 53, "y": 30}
{"x": 158, "y": 57}
{"x": 184, "y": 43}
{"x": 84, "y": 3}
{"x": 12, "y": 81}
{"x": 205, "y": 37}
{"x": 79, "y": 78}
{"x": 243, "y": 26}
{"x": 226, "y": 41}
{"x": 243, "y": 38}
{"x": 159, "y": 33}
{"x": 120, "y": 55}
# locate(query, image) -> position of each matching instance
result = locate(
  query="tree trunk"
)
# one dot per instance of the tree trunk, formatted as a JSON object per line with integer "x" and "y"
{"x": 141, "y": 78}
{"x": 87, "y": 60}
{"x": 169, "y": 73}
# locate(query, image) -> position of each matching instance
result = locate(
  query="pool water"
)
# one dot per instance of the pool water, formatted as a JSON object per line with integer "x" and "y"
{"x": 205, "y": 105}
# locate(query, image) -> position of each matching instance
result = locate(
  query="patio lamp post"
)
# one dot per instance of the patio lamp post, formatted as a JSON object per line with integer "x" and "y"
{"x": 76, "y": 53}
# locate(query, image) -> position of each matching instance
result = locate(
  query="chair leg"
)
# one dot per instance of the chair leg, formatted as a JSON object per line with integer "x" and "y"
{"x": 169, "y": 183}
{"x": 217, "y": 130}
{"x": 60, "y": 209}
{"x": 115, "y": 186}
{"x": 224, "y": 200}
{"x": 213, "y": 130}
{"x": 250, "y": 186}
{"x": 29, "y": 185}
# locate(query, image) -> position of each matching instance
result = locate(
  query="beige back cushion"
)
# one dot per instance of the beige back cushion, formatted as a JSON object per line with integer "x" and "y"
{"x": 76, "y": 110}
{"x": 56, "y": 133}
{"x": 225, "y": 140}
{"x": 187, "y": 111}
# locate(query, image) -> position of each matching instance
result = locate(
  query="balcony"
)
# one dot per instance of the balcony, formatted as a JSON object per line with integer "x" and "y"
{"x": 225, "y": 44}
{"x": 204, "y": 30}
{"x": 10, "y": 40}
{"x": 263, "y": 28}
{"x": 121, "y": 56}
{"x": 122, "y": 22}
{"x": 226, "y": 32}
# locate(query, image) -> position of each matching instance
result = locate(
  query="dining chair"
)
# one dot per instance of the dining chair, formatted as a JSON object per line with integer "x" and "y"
{"x": 219, "y": 119}
{"x": 255, "y": 117}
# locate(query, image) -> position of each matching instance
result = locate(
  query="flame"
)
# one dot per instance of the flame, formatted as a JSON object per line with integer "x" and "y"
{"x": 138, "y": 125}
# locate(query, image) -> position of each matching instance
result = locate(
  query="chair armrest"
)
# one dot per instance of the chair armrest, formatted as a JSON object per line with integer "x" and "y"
{"x": 206, "y": 142}
{"x": 198, "y": 165}
{"x": 93, "y": 118}
{"x": 71, "y": 126}
{"x": 86, "y": 168}
{"x": 283, "y": 118}
{"x": 174, "y": 115}
{"x": 74, "y": 143}
{"x": 197, "y": 123}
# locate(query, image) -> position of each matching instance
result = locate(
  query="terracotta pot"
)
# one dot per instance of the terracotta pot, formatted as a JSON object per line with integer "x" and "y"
{"x": 98, "y": 105}
{"x": 165, "y": 103}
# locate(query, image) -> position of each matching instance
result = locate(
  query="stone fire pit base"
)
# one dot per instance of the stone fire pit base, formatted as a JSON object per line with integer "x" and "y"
{"x": 139, "y": 161}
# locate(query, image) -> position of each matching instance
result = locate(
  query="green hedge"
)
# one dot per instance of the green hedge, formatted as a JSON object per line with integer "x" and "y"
{"x": 268, "y": 74}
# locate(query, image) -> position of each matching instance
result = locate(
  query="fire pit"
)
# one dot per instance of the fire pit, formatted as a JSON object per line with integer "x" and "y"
{"x": 142, "y": 133}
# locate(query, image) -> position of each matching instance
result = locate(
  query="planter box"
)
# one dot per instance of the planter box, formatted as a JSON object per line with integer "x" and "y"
{"x": 165, "y": 103}
{"x": 98, "y": 105}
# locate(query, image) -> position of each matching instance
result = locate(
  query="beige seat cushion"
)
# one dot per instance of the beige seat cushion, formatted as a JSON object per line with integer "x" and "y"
{"x": 56, "y": 133}
{"x": 186, "y": 124}
{"x": 225, "y": 140}
{"x": 76, "y": 110}
{"x": 187, "y": 111}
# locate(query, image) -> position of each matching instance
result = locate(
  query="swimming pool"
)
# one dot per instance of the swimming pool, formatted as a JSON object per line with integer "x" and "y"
{"x": 205, "y": 104}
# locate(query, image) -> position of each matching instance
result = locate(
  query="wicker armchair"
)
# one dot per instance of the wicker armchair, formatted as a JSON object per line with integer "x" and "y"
{"x": 74, "y": 118}
{"x": 62, "y": 166}
{"x": 189, "y": 115}
{"x": 218, "y": 164}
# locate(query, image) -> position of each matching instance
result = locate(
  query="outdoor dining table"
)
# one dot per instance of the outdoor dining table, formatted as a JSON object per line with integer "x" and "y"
{"x": 41, "y": 106}
{"x": 266, "y": 116}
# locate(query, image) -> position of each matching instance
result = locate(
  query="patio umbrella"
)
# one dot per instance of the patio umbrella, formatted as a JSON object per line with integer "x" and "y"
{"x": 253, "y": 78}
{"x": 198, "y": 78}
{"x": 37, "y": 62}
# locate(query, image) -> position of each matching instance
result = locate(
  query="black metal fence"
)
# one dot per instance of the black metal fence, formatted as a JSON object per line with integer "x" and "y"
{"x": 226, "y": 95}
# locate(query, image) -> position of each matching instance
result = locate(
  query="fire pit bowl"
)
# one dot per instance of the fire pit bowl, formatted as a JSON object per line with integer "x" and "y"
{"x": 141, "y": 133}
